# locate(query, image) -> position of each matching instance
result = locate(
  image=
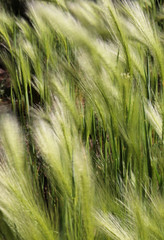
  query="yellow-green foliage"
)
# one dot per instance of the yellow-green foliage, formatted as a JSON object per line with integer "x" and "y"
{"x": 85, "y": 160}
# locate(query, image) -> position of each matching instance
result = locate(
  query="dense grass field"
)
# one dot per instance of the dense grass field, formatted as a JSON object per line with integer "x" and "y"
{"x": 82, "y": 138}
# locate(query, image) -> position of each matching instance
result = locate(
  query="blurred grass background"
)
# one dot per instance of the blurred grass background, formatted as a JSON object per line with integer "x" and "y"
{"x": 82, "y": 148}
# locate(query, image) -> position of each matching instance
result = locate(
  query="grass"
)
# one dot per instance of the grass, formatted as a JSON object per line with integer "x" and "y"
{"x": 82, "y": 152}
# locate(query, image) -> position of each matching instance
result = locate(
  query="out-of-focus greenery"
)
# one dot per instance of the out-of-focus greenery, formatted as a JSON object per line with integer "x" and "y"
{"x": 82, "y": 153}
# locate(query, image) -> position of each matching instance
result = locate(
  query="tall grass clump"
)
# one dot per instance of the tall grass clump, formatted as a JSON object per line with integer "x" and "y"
{"x": 83, "y": 157}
